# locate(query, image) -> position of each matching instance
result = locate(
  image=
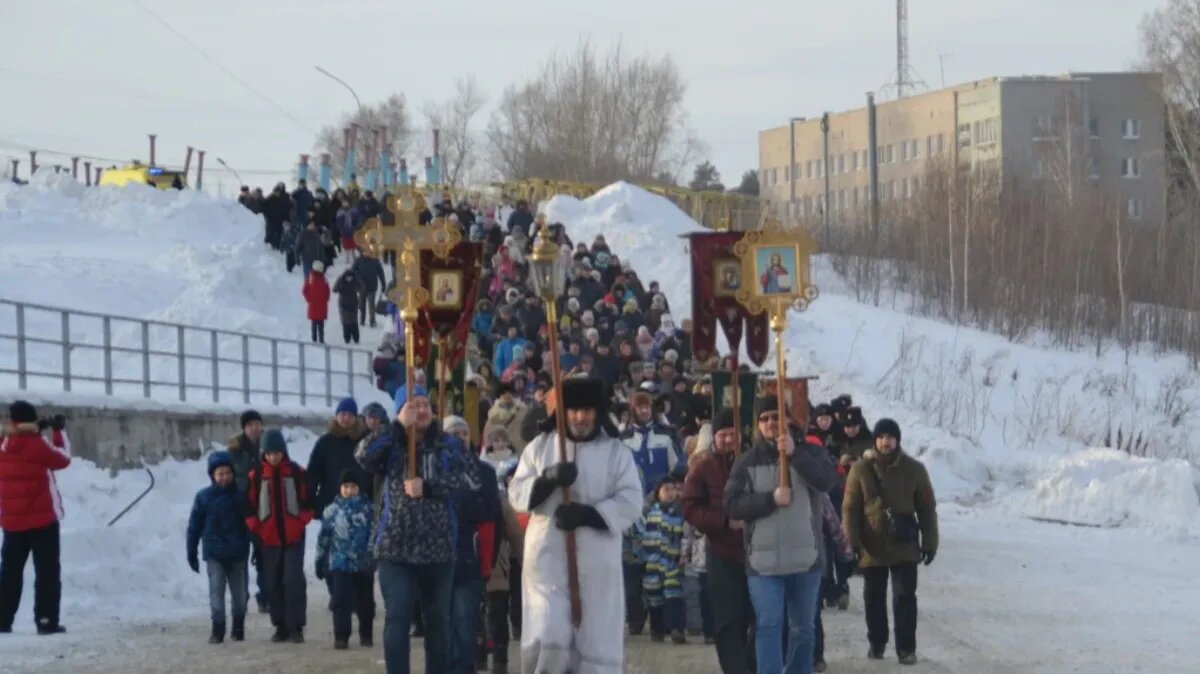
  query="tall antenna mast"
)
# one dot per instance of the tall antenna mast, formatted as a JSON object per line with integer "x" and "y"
{"x": 905, "y": 79}
{"x": 902, "y": 48}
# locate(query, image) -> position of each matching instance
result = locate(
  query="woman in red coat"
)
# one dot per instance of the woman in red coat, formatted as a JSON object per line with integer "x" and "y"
{"x": 316, "y": 294}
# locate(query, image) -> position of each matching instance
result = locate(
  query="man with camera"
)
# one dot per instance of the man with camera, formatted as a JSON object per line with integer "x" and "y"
{"x": 890, "y": 516}
{"x": 30, "y": 509}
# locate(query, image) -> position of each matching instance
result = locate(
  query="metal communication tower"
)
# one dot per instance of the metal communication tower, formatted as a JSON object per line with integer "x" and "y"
{"x": 905, "y": 79}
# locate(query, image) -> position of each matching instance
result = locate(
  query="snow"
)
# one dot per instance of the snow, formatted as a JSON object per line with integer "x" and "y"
{"x": 174, "y": 256}
{"x": 1009, "y": 432}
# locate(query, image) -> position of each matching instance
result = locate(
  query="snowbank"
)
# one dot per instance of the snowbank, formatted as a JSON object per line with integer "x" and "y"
{"x": 641, "y": 228}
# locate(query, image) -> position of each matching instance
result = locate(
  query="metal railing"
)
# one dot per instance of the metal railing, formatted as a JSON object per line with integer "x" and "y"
{"x": 48, "y": 349}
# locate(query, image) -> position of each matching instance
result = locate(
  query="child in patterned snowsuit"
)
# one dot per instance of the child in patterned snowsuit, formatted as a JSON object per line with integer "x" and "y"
{"x": 661, "y": 549}
{"x": 344, "y": 552}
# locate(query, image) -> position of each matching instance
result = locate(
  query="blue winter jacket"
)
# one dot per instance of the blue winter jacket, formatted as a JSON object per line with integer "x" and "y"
{"x": 473, "y": 509}
{"x": 344, "y": 543}
{"x": 482, "y": 324}
{"x": 656, "y": 451}
{"x": 418, "y": 530}
{"x": 218, "y": 518}
{"x": 504, "y": 353}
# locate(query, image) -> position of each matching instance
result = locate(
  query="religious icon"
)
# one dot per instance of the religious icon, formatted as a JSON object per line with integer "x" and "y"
{"x": 727, "y": 277}
{"x": 775, "y": 267}
{"x": 447, "y": 289}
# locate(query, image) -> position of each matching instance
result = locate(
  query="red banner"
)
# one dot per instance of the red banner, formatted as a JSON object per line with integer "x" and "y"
{"x": 453, "y": 287}
{"x": 716, "y": 275}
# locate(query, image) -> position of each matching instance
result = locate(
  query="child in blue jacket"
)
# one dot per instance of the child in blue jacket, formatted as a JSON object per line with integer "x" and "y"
{"x": 218, "y": 520}
{"x": 344, "y": 554}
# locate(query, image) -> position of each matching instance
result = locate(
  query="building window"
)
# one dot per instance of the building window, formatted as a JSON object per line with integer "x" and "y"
{"x": 1094, "y": 167}
{"x": 1133, "y": 208}
{"x": 1039, "y": 168}
{"x": 964, "y": 135}
{"x": 841, "y": 164}
{"x": 916, "y": 185}
{"x": 929, "y": 146}
{"x": 1131, "y": 128}
{"x": 1131, "y": 167}
{"x": 916, "y": 148}
{"x": 865, "y": 160}
{"x": 854, "y": 196}
{"x": 1094, "y": 127}
{"x": 941, "y": 146}
{"x": 853, "y": 162}
{"x": 841, "y": 199}
{"x": 904, "y": 150}
{"x": 787, "y": 175}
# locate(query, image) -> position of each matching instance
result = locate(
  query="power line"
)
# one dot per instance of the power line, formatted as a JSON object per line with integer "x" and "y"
{"x": 227, "y": 71}
{"x": 126, "y": 92}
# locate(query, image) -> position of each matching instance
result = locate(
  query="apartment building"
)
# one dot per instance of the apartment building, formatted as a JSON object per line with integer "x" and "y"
{"x": 1100, "y": 131}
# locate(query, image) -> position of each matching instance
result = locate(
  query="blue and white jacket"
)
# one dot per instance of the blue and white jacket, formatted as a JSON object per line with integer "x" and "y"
{"x": 656, "y": 451}
{"x": 344, "y": 543}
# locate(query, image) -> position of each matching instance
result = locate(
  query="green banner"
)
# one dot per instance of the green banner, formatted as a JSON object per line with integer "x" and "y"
{"x": 722, "y": 398}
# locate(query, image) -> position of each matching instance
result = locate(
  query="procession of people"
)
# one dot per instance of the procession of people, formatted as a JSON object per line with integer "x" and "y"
{"x": 674, "y": 514}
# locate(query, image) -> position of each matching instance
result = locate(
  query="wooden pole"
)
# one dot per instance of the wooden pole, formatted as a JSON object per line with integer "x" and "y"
{"x": 778, "y": 323}
{"x": 560, "y": 415}
{"x": 409, "y": 316}
{"x": 737, "y": 417}
{"x": 442, "y": 376}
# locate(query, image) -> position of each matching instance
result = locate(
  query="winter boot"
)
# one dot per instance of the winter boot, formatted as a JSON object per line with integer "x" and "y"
{"x": 819, "y": 666}
{"x": 218, "y": 633}
{"x": 677, "y": 637}
{"x": 297, "y": 637}
{"x": 238, "y": 633}
{"x": 657, "y": 638}
{"x": 263, "y": 607}
{"x": 5, "y": 629}
{"x": 843, "y": 602}
{"x": 907, "y": 658}
{"x": 365, "y": 630}
{"x": 45, "y": 627}
{"x": 280, "y": 635}
{"x": 875, "y": 652}
{"x": 341, "y": 644}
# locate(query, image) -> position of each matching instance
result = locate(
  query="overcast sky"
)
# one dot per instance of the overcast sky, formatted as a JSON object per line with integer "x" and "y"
{"x": 94, "y": 76}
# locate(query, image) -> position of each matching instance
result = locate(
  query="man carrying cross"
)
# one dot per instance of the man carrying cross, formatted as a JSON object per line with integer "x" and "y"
{"x": 606, "y": 499}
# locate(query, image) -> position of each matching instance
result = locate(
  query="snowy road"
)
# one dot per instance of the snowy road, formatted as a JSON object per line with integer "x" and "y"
{"x": 1004, "y": 595}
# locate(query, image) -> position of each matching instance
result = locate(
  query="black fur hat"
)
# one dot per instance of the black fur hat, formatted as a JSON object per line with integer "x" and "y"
{"x": 584, "y": 393}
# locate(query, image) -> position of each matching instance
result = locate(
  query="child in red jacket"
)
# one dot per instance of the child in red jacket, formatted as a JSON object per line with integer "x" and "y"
{"x": 316, "y": 294}
{"x": 279, "y": 511}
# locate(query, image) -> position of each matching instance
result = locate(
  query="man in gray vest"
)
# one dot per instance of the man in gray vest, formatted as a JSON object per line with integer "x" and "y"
{"x": 783, "y": 539}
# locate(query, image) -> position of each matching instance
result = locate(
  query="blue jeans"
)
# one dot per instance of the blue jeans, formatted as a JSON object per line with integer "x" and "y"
{"x": 464, "y": 623}
{"x": 775, "y": 598}
{"x": 229, "y": 574}
{"x": 401, "y": 586}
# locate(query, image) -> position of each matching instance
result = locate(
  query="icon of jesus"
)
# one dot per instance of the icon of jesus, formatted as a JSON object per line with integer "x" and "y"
{"x": 776, "y": 279}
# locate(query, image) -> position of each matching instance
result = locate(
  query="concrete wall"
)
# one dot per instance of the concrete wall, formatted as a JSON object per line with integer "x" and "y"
{"x": 124, "y": 438}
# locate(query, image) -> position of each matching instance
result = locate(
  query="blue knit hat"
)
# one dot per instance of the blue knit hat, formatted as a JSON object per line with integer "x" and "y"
{"x": 347, "y": 405}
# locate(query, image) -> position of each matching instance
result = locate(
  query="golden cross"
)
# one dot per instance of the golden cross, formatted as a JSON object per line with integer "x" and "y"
{"x": 407, "y": 238}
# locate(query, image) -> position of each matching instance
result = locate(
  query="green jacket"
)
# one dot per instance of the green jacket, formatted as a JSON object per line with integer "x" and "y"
{"x": 245, "y": 458}
{"x": 907, "y": 490}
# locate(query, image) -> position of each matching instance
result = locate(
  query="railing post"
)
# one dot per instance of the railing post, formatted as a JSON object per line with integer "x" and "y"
{"x": 22, "y": 378}
{"x": 66, "y": 350}
{"x": 275, "y": 372}
{"x": 246, "y": 369}
{"x": 328, "y": 377}
{"x": 350, "y": 371}
{"x": 108, "y": 384}
{"x": 303, "y": 377}
{"x": 216, "y": 367}
{"x": 145, "y": 359}
{"x": 182, "y": 363}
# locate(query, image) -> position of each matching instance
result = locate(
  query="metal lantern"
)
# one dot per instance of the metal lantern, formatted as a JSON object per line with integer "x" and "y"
{"x": 545, "y": 273}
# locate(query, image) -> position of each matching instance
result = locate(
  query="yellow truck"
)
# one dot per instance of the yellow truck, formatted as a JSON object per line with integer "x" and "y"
{"x": 163, "y": 179}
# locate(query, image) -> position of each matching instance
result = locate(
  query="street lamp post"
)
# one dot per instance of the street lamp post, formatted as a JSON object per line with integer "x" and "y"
{"x": 791, "y": 172}
{"x": 230, "y": 169}
{"x": 342, "y": 82}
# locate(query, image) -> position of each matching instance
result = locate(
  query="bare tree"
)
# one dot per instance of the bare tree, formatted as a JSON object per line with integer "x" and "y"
{"x": 390, "y": 116}
{"x": 1169, "y": 44}
{"x": 597, "y": 118}
{"x": 459, "y": 143}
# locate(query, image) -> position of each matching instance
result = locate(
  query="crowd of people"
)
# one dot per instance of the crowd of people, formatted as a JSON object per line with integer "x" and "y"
{"x": 467, "y": 539}
{"x": 717, "y": 550}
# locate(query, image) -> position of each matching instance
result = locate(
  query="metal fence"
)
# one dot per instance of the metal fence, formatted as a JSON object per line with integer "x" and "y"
{"x": 49, "y": 349}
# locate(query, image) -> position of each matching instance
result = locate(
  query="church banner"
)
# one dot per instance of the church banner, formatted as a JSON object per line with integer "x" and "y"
{"x": 453, "y": 286}
{"x": 716, "y": 277}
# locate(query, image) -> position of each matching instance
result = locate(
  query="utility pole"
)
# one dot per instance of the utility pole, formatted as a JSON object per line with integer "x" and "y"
{"x": 827, "y": 170}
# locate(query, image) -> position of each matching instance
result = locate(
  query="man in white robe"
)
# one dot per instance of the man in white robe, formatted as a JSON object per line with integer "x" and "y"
{"x": 606, "y": 499}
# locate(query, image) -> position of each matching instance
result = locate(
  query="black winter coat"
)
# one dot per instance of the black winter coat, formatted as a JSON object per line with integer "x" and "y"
{"x": 332, "y": 454}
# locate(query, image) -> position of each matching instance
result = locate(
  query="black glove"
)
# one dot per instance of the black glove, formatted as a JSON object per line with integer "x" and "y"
{"x": 254, "y": 556}
{"x": 575, "y": 515}
{"x": 320, "y": 571}
{"x": 59, "y": 422}
{"x": 194, "y": 562}
{"x": 927, "y": 556}
{"x": 562, "y": 474}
